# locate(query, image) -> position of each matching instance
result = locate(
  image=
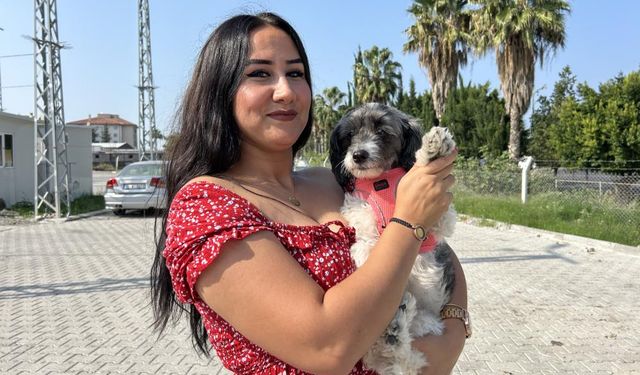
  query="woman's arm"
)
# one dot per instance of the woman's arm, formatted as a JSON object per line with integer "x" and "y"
{"x": 262, "y": 292}
{"x": 443, "y": 351}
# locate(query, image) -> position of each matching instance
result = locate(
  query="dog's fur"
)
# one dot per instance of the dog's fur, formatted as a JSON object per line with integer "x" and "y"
{"x": 382, "y": 137}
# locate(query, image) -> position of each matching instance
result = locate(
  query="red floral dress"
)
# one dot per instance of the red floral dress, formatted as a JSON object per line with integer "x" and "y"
{"x": 202, "y": 217}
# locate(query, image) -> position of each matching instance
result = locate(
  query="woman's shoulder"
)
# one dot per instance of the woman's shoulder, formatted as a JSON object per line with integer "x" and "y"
{"x": 209, "y": 190}
{"x": 207, "y": 184}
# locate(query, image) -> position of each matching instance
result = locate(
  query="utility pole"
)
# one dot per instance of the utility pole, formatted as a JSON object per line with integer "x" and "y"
{"x": 51, "y": 169}
{"x": 1, "y": 29}
{"x": 146, "y": 101}
{"x": 1, "y": 109}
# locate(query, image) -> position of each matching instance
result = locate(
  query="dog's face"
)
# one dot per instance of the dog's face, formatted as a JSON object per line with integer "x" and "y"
{"x": 370, "y": 139}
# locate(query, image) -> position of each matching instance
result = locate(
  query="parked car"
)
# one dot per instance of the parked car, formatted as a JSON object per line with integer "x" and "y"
{"x": 138, "y": 186}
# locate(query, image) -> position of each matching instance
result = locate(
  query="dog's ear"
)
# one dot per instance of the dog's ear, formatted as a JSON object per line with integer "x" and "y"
{"x": 336, "y": 157}
{"x": 411, "y": 141}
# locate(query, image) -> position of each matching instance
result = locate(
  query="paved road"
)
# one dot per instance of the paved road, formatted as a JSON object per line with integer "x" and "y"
{"x": 73, "y": 299}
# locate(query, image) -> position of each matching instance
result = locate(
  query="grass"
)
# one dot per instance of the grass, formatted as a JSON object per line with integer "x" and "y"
{"x": 80, "y": 205}
{"x": 571, "y": 214}
{"x": 87, "y": 203}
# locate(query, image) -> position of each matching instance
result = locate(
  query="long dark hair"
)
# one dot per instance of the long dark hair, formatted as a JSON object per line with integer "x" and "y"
{"x": 208, "y": 140}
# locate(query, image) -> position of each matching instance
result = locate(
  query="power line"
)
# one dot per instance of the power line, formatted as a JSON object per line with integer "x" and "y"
{"x": 16, "y": 86}
{"x": 20, "y": 55}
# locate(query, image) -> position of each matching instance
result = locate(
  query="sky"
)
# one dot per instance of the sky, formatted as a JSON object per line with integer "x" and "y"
{"x": 100, "y": 70}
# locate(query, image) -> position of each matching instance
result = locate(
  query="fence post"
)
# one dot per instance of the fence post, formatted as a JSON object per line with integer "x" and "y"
{"x": 525, "y": 164}
{"x": 600, "y": 188}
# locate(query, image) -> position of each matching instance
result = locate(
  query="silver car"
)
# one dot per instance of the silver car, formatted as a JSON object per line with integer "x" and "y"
{"x": 138, "y": 186}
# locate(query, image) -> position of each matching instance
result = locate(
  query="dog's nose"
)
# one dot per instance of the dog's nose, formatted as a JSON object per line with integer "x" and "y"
{"x": 360, "y": 156}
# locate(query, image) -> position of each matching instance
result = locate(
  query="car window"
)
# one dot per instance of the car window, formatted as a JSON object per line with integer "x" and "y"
{"x": 147, "y": 170}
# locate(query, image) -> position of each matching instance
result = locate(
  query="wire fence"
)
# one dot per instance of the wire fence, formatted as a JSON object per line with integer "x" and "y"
{"x": 617, "y": 191}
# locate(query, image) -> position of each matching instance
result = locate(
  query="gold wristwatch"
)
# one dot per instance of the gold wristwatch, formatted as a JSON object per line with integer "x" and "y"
{"x": 451, "y": 311}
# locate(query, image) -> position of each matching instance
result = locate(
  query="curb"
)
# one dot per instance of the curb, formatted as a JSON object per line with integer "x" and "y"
{"x": 583, "y": 241}
{"x": 87, "y": 214}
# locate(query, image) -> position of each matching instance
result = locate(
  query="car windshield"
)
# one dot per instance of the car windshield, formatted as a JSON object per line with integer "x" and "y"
{"x": 147, "y": 170}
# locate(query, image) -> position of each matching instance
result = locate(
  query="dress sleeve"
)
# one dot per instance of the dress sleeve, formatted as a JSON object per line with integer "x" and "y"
{"x": 202, "y": 218}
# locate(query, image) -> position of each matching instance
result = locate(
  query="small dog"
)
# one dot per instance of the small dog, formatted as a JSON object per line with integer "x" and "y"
{"x": 367, "y": 144}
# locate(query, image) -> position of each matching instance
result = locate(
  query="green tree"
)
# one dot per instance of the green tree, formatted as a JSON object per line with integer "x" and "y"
{"x": 377, "y": 78}
{"x": 105, "y": 136}
{"x": 409, "y": 102}
{"x": 476, "y": 117}
{"x": 440, "y": 37}
{"x": 328, "y": 109}
{"x": 545, "y": 115}
{"x": 521, "y": 32}
{"x": 592, "y": 128}
{"x": 418, "y": 105}
{"x": 170, "y": 141}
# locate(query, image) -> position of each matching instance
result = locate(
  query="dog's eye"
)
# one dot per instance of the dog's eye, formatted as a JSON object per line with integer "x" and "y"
{"x": 380, "y": 131}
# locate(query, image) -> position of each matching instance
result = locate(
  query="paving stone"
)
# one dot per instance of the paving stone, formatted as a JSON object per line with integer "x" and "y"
{"x": 74, "y": 299}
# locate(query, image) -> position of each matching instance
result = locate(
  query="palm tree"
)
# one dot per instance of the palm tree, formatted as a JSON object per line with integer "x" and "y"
{"x": 520, "y": 32}
{"x": 328, "y": 108}
{"x": 377, "y": 77}
{"x": 440, "y": 36}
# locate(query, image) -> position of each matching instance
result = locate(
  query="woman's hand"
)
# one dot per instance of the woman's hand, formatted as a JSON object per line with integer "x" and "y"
{"x": 423, "y": 193}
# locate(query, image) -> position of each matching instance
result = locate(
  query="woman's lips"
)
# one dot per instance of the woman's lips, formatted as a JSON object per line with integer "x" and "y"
{"x": 283, "y": 115}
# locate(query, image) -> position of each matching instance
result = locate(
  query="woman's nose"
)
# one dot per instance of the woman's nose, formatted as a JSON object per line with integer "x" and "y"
{"x": 283, "y": 92}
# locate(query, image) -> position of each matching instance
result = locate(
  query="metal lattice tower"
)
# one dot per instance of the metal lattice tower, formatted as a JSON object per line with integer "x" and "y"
{"x": 146, "y": 101}
{"x": 0, "y": 87}
{"x": 50, "y": 137}
{"x": 1, "y": 29}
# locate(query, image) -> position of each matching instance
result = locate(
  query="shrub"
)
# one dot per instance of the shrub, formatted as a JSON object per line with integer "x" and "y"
{"x": 104, "y": 167}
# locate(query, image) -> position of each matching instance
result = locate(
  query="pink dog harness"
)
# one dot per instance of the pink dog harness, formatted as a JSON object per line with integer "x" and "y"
{"x": 380, "y": 193}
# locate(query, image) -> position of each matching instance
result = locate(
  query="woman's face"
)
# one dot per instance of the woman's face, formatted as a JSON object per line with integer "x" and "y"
{"x": 271, "y": 106}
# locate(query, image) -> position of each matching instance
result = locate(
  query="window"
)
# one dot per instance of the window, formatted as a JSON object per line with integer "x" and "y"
{"x": 6, "y": 150}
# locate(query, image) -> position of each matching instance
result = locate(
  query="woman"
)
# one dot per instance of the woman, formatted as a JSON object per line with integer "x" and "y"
{"x": 258, "y": 254}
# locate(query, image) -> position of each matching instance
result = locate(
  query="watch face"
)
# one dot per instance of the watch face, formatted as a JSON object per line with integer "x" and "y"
{"x": 420, "y": 233}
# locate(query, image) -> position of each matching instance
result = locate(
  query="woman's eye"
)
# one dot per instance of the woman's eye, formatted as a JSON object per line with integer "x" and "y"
{"x": 258, "y": 74}
{"x": 296, "y": 74}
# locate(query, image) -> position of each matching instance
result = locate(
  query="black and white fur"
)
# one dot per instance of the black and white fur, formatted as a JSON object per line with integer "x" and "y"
{"x": 368, "y": 140}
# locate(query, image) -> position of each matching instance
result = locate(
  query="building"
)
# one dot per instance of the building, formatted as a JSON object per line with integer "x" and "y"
{"x": 116, "y": 154}
{"x": 17, "y": 161}
{"x": 110, "y": 128}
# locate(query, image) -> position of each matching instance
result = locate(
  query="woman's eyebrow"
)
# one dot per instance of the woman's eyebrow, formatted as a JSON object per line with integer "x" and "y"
{"x": 269, "y": 62}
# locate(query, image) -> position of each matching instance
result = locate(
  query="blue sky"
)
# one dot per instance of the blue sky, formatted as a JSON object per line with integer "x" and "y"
{"x": 100, "y": 71}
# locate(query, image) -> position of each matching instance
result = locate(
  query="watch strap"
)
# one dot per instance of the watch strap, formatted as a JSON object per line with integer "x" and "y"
{"x": 451, "y": 311}
{"x": 418, "y": 230}
{"x": 401, "y": 222}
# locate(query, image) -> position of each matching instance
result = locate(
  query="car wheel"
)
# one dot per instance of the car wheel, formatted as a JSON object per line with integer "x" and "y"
{"x": 118, "y": 212}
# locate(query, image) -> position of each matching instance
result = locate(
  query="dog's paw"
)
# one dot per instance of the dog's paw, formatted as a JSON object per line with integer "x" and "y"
{"x": 427, "y": 324}
{"x": 398, "y": 328}
{"x": 436, "y": 143}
